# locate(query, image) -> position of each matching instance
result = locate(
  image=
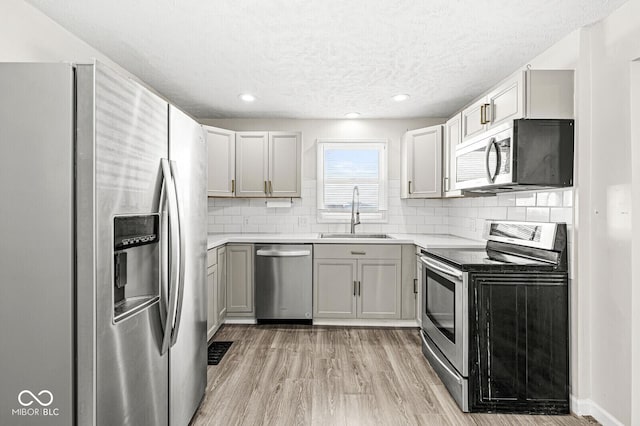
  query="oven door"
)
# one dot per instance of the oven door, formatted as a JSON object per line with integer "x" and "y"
{"x": 486, "y": 162}
{"x": 445, "y": 311}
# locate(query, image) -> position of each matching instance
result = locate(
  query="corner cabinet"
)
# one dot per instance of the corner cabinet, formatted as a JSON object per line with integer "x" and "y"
{"x": 524, "y": 94}
{"x": 519, "y": 350}
{"x": 239, "y": 274}
{"x": 357, "y": 281}
{"x": 221, "y": 147}
{"x": 268, "y": 164}
{"x": 421, "y": 168}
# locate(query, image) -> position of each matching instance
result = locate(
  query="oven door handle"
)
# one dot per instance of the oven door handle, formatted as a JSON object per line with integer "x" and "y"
{"x": 437, "y": 358}
{"x": 441, "y": 268}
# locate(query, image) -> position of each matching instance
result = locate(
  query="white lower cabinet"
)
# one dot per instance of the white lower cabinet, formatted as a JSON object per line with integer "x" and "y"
{"x": 357, "y": 285}
{"x": 334, "y": 289}
{"x": 239, "y": 277}
{"x": 221, "y": 291}
{"x": 212, "y": 286}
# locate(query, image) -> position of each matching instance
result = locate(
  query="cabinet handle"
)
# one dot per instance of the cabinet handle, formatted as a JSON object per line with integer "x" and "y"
{"x": 359, "y": 284}
{"x": 265, "y": 187}
{"x": 358, "y": 253}
{"x": 355, "y": 283}
{"x": 270, "y": 188}
{"x": 233, "y": 186}
{"x": 415, "y": 286}
{"x": 409, "y": 187}
{"x": 482, "y": 120}
{"x": 487, "y": 113}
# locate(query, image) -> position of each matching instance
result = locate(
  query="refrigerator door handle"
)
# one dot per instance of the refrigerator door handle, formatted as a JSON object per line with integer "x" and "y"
{"x": 174, "y": 238}
{"x": 182, "y": 257}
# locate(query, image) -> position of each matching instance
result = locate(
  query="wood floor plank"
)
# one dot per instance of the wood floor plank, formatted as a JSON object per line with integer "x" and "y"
{"x": 303, "y": 375}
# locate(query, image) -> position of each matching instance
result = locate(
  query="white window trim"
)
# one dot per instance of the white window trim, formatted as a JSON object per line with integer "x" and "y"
{"x": 329, "y": 216}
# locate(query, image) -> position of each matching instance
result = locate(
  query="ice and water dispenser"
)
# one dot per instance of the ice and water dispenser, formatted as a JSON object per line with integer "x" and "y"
{"x": 136, "y": 262}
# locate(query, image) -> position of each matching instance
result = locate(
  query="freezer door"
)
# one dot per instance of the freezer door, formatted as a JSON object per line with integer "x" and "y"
{"x": 36, "y": 244}
{"x": 122, "y": 136}
{"x": 188, "y": 353}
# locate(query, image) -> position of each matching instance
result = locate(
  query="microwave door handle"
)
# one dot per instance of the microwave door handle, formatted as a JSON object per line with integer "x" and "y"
{"x": 498, "y": 160}
{"x": 487, "y": 151}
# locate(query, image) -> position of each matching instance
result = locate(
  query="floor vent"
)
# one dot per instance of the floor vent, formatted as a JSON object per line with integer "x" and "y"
{"x": 216, "y": 352}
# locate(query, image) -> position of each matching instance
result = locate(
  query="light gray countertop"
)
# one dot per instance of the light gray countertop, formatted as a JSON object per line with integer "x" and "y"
{"x": 421, "y": 240}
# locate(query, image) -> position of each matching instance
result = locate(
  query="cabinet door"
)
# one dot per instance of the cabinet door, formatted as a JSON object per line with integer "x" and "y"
{"x": 452, "y": 137}
{"x": 222, "y": 285}
{"x": 423, "y": 162}
{"x": 212, "y": 317}
{"x": 379, "y": 289}
{"x": 240, "y": 279}
{"x": 251, "y": 164}
{"x": 472, "y": 124}
{"x": 221, "y": 146}
{"x": 334, "y": 288}
{"x": 506, "y": 102}
{"x": 285, "y": 164}
{"x": 409, "y": 288}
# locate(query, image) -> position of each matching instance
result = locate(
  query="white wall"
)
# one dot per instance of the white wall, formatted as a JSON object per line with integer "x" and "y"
{"x": 606, "y": 263}
{"x": 28, "y": 35}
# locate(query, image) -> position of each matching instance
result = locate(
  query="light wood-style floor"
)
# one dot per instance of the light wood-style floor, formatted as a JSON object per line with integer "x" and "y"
{"x": 299, "y": 375}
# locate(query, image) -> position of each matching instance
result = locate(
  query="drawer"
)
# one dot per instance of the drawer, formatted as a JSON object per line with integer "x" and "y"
{"x": 357, "y": 251}
{"x": 212, "y": 257}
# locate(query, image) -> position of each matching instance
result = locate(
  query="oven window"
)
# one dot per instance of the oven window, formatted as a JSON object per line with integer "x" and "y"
{"x": 440, "y": 305}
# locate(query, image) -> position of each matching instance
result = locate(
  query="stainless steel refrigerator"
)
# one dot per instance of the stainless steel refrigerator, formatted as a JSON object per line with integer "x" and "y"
{"x": 102, "y": 251}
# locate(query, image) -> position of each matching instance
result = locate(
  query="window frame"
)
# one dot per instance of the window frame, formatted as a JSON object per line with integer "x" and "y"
{"x": 325, "y": 215}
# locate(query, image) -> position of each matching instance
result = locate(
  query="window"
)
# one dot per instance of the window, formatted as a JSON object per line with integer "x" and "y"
{"x": 344, "y": 164}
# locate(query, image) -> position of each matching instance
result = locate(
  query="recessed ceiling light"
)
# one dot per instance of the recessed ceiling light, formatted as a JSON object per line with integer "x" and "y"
{"x": 401, "y": 97}
{"x": 247, "y": 97}
{"x": 352, "y": 115}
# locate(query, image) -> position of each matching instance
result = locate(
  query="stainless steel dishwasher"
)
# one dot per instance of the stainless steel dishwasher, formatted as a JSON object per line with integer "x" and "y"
{"x": 283, "y": 276}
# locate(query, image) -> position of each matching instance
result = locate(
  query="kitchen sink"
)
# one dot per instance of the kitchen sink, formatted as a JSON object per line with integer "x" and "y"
{"x": 346, "y": 235}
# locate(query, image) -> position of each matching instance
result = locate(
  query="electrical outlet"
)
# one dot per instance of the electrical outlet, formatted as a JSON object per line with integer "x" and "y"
{"x": 302, "y": 221}
{"x": 245, "y": 220}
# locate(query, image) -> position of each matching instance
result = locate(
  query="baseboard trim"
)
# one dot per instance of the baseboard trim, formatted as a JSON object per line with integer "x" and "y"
{"x": 366, "y": 322}
{"x": 586, "y": 407}
{"x": 240, "y": 321}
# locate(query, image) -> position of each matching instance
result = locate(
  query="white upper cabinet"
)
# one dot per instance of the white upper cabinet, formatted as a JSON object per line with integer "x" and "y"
{"x": 473, "y": 119}
{"x": 285, "y": 163}
{"x": 452, "y": 137}
{"x": 421, "y": 168}
{"x": 252, "y": 158}
{"x": 268, "y": 164}
{"x": 221, "y": 146}
{"x": 524, "y": 94}
{"x": 506, "y": 101}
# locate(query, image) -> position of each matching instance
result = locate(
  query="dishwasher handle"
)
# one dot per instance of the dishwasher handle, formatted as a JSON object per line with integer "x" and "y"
{"x": 283, "y": 253}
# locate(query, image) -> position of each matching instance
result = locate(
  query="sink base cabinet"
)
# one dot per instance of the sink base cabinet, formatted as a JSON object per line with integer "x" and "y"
{"x": 359, "y": 281}
{"x": 519, "y": 344}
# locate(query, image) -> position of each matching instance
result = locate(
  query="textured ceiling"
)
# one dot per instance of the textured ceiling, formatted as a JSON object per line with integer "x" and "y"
{"x": 322, "y": 59}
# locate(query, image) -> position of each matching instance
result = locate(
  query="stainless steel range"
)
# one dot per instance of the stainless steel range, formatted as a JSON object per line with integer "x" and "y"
{"x": 458, "y": 321}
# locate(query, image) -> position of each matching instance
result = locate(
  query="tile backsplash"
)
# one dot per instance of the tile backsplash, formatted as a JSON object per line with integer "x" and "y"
{"x": 458, "y": 216}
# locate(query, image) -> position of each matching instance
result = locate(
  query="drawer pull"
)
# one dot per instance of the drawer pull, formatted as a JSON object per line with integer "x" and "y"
{"x": 358, "y": 253}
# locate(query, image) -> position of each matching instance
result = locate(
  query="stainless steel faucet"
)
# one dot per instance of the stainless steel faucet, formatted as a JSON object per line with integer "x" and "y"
{"x": 355, "y": 218}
